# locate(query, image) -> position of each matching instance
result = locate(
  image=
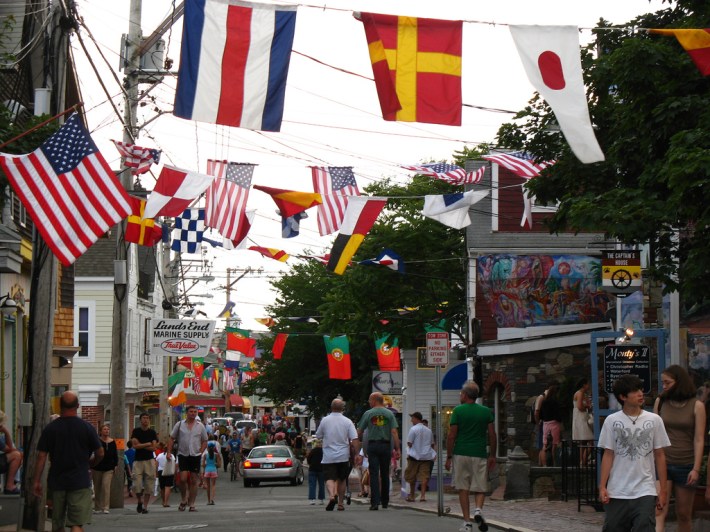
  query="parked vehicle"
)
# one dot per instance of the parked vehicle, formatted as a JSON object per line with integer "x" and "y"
{"x": 234, "y": 416}
{"x": 241, "y": 425}
{"x": 224, "y": 424}
{"x": 272, "y": 463}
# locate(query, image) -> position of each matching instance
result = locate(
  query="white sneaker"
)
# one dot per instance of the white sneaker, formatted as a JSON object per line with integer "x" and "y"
{"x": 321, "y": 502}
{"x": 312, "y": 502}
{"x": 466, "y": 527}
{"x": 480, "y": 521}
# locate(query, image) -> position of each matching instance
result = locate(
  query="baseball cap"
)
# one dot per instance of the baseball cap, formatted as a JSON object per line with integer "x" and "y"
{"x": 417, "y": 415}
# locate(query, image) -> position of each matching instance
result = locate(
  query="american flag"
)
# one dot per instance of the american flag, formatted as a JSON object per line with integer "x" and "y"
{"x": 229, "y": 379}
{"x": 226, "y": 199}
{"x": 334, "y": 184}
{"x": 520, "y": 163}
{"x": 451, "y": 173}
{"x": 137, "y": 158}
{"x": 69, "y": 190}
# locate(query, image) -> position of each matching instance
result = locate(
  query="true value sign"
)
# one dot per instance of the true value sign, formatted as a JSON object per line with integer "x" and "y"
{"x": 437, "y": 348}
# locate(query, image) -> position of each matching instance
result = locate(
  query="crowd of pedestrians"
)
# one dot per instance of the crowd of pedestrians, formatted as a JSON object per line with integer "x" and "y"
{"x": 647, "y": 456}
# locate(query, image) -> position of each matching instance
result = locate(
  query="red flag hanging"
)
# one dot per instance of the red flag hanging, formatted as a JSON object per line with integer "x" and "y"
{"x": 279, "y": 345}
{"x": 338, "y": 357}
{"x": 388, "y": 353}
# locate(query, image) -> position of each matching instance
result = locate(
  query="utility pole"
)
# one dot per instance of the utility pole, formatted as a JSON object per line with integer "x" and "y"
{"x": 40, "y": 341}
{"x": 119, "y": 345}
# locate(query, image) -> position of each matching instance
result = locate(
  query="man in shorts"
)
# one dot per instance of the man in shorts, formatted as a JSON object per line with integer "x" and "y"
{"x": 420, "y": 454}
{"x": 191, "y": 437}
{"x": 470, "y": 426}
{"x": 337, "y": 434}
{"x": 145, "y": 442}
{"x": 69, "y": 442}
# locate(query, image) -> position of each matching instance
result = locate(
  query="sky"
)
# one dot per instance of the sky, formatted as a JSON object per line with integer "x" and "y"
{"x": 331, "y": 116}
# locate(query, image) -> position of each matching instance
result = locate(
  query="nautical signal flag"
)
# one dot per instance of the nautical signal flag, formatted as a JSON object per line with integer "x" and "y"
{"x": 271, "y": 253}
{"x": 234, "y": 63}
{"x": 694, "y": 41}
{"x": 69, "y": 190}
{"x": 139, "y": 230}
{"x": 279, "y": 345}
{"x": 416, "y": 63}
{"x": 360, "y": 216}
{"x": 388, "y": 353}
{"x": 291, "y": 202}
{"x": 238, "y": 340}
{"x": 452, "y": 209}
{"x": 387, "y": 258}
{"x": 338, "y": 349}
{"x": 551, "y": 58}
{"x": 174, "y": 191}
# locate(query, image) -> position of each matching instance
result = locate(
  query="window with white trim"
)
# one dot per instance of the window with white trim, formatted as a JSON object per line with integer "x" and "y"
{"x": 84, "y": 330}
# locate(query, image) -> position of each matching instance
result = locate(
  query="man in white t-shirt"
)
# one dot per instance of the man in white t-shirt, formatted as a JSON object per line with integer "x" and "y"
{"x": 337, "y": 434}
{"x": 420, "y": 453}
{"x": 633, "y": 441}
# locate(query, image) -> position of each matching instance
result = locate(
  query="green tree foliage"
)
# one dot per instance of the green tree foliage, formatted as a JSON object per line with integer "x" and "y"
{"x": 651, "y": 110}
{"x": 363, "y": 302}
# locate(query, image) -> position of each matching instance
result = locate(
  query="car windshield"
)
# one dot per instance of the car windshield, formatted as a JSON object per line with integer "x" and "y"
{"x": 271, "y": 452}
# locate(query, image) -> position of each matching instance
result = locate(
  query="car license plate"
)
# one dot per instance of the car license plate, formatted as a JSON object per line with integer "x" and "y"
{"x": 267, "y": 466}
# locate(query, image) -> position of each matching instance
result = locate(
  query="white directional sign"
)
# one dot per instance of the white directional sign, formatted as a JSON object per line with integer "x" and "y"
{"x": 437, "y": 348}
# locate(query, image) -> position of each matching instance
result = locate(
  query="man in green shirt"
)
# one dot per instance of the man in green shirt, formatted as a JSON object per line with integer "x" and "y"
{"x": 470, "y": 426}
{"x": 381, "y": 427}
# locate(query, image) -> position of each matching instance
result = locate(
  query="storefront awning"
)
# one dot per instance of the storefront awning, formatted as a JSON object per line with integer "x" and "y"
{"x": 455, "y": 377}
{"x": 239, "y": 401}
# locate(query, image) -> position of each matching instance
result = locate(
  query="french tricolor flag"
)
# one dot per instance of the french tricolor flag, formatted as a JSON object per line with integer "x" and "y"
{"x": 234, "y": 63}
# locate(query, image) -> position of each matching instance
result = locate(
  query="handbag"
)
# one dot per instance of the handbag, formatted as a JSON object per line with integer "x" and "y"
{"x": 169, "y": 467}
{"x": 590, "y": 419}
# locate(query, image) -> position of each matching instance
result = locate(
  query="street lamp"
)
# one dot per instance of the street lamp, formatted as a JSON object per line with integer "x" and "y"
{"x": 8, "y": 306}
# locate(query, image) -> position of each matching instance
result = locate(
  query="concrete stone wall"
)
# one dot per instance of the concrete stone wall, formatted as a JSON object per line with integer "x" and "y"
{"x": 521, "y": 378}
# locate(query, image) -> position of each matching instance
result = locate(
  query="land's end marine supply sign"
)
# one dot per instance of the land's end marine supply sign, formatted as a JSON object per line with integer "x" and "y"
{"x": 621, "y": 271}
{"x": 181, "y": 338}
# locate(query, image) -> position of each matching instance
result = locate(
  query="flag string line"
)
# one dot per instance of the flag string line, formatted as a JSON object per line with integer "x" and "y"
{"x": 465, "y": 21}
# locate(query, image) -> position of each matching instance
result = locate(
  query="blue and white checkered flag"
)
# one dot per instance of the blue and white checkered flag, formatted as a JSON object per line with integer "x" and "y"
{"x": 188, "y": 231}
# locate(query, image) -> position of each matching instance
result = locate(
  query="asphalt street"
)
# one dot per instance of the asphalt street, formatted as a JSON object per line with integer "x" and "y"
{"x": 270, "y": 506}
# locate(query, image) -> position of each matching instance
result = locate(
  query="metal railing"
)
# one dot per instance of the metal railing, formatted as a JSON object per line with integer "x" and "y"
{"x": 579, "y": 473}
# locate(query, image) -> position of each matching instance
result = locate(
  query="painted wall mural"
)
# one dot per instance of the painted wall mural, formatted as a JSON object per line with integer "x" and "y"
{"x": 533, "y": 290}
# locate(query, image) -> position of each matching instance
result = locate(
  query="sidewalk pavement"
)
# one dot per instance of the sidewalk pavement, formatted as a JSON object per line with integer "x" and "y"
{"x": 519, "y": 515}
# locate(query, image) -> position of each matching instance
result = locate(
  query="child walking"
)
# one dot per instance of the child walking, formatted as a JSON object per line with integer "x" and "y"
{"x": 211, "y": 462}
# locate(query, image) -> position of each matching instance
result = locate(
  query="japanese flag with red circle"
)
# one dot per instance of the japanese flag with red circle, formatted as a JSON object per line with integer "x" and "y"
{"x": 551, "y": 57}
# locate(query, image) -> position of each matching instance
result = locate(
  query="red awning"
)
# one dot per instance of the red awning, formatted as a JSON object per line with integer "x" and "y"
{"x": 236, "y": 400}
{"x": 196, "y": 400}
